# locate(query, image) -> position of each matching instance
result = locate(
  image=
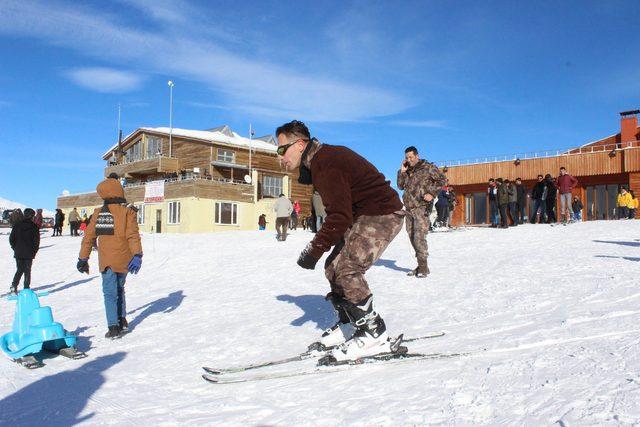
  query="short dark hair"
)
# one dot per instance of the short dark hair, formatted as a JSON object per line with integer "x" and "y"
{"x": 294, "y": 127}
{"x": 491, "y": 180}
{"x": 562, "y": 167}
{"x": 540, "y": 176}
{"x": 29, "y": 213}
{"x": 113, "y": 175}
{"x": 507, "y": 181}
{"x": 518, "y": 179}
{"x": 499, "y": 180}
{"x": 411, "y": 149}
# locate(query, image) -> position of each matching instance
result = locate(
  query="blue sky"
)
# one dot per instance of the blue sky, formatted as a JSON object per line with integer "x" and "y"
{"x": 456, "y": 79}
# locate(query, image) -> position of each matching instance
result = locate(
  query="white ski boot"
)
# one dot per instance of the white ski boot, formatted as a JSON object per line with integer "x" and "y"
{"x": 371, "y": 336}
{"x": 342, "y": 330}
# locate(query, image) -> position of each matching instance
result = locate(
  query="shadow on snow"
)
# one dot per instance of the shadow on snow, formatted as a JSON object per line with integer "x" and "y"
{"x": 316, "y": 309}
{"x": 57, "y": 399}
{"x": 162, "y": 305}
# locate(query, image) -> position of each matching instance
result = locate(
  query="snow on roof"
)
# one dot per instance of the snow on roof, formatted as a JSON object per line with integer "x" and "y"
{"x": 222, "y": 134}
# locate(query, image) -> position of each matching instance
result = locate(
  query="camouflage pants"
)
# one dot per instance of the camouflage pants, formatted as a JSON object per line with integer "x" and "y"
{"x": 417, "y": 229}
{"x": 361, "y": 246}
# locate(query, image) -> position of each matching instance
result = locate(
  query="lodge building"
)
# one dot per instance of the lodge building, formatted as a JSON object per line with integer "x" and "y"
{"x": 601, "y": 167}
{"x": 193, "y": 181}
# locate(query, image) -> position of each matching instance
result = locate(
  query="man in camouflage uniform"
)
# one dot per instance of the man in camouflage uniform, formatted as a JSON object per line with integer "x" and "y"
{"x": 364, "y": 214}
{"x": 421, "y": 182}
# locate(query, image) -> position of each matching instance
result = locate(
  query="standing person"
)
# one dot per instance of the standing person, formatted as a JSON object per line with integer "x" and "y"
{"x": 442, "y": 206}
{"x": 115, "y": 227}
{"x": 503, "y": 202}
{"x": 492, "y": 192}
{"x": 318, "y": 207}
{"x": 633, "y": 207}
{"x": 38, "y": 219}
{"x": 25, "y": 242}
{"x": 566, "y": 183}
{"x": 551, "y": 199}
{"x": 452, "y": 205}
{"x": 59, "y": 222}
{"x": 577, "y": 207}
{"x": 74, "y": 221}
{"x": 521, "y": 201}
{"x": 364, "y": 214}
{"x": 624, "y": 200}
{"x": 283, "y": 208}
{"x": 513, "y": 202}
{"x": 294, "y": 219}
{"x": 421, "y": 182}
{"x": 539, "y": 195}
{"x": 262, "y": 222}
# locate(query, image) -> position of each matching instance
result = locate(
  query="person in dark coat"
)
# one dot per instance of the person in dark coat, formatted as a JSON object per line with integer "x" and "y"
{"x": 492, "y": 192}
{"x": 503, "y": 202}
{"x": 59, "y": 222}
{"x": 521, "y": 201}
{"x": 539, "y": 196}
{"x": 442, "y": 207}
{"x": 25, "y": 242}
{"x": 550, "y": 201}
{"x": 577, "y": 207}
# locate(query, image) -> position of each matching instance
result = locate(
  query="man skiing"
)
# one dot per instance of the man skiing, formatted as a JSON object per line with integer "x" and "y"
{"x": 421, "y": 182}
{"x": 115, "y": 226}
{"x": 364, "y": 214}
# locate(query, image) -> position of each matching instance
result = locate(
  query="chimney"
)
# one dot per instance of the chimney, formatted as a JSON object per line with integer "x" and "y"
{"x": 628, "y": 125}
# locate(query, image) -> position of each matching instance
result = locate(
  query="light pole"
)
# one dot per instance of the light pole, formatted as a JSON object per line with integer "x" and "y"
{"x": 170, "y": 83}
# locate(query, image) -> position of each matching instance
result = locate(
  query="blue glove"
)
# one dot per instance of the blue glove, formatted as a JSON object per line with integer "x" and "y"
{"x": 135, "y": 264}
{"x": 83, "y": 265}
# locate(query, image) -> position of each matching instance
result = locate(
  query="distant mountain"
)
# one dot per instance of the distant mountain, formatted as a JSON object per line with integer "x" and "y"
{"x": 8, "y": 204}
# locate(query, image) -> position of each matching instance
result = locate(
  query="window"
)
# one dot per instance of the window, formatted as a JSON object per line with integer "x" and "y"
{"x": 271, "y": 186}
{"x": 140, "y": 214}
{"x": 174, "y": 213}
{"x": 134, "y": 153}
{"x": 226, "y": 213}
{"x": 154, "y": 146}
{"x": 226, "y": 156}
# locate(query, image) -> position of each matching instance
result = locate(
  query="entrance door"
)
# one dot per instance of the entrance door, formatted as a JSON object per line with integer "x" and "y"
{"x": 159, "y": 221}
{"x": 479, "y": 208}
{"x": 601, "y": 201}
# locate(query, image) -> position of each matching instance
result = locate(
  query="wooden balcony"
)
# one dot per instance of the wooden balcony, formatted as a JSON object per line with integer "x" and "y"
{"x": 146, "y": 166}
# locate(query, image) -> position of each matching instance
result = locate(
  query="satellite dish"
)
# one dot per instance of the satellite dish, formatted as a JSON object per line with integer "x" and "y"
{"x": 65, "y": 192}
{"x": 247, "y": 179}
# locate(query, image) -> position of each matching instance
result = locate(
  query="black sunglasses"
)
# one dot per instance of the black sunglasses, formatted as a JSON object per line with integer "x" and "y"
{"x": 282, "y": 149}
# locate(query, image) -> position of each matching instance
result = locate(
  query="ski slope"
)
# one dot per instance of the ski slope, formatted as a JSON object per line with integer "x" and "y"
{"x": 550, "y": 315}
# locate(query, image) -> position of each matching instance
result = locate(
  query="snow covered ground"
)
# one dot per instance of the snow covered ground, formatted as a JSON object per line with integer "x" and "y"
{"x": 549, "y": 314}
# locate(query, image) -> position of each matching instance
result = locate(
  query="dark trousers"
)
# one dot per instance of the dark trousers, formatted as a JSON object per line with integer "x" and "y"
{"x": 493, "y": 212}
{"x": 74, "y": 228}
{"x": 443, "y": 214}
{"x": 632, "y": 213}
{"x": 504, "y": 222}
{"x": 623, "y": 212}
{"x": 538, "y": 205}
{"x": 23, "y": 266}
{"x": 551, "y": 211}
{"x": 513, "y": 212}
{"x": 521, "y": 211}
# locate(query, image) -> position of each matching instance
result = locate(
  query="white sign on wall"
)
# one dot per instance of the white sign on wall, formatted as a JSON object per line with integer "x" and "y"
{"x": 154, "y": 192}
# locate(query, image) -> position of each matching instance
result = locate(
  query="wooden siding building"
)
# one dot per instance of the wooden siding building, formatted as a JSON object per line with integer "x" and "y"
{"x": 601, "y": 168}
{"x": 211, "y": 180}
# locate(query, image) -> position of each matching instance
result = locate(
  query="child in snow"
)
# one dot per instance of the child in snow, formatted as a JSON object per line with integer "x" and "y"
{"x": 115, "y": 225}
{"x": 25, "y": 242}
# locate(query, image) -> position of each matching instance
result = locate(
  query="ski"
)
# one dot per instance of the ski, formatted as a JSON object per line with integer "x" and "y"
{"x": 340, "y": 367}
{"x": 314, "y": 350}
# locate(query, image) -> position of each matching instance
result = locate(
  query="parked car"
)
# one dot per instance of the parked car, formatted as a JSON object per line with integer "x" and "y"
{"x": 48, "y": 222}
{"x": 4, "y": 222}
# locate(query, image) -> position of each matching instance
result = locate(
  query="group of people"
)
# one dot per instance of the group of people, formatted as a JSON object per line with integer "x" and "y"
{"x": 288, "y": 216}
{"x": 508, "y": 200}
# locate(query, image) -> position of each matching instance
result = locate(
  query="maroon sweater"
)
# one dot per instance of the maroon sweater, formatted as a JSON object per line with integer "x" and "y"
{"x": 350, "y": 187}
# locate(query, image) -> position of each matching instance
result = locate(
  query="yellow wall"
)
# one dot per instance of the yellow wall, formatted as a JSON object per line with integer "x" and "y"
{"x": 197, "y": 215}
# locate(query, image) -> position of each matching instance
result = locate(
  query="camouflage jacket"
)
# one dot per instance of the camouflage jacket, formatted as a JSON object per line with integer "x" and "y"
{"x": 424, "y": 178}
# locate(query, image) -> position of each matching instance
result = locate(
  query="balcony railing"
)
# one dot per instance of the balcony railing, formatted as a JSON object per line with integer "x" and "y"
{"x": 191, "y": 178}
{"x": 541, "y": 154}
{"x": 149, "y": 165}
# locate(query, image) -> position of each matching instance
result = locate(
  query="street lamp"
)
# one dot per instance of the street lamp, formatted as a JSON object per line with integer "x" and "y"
{"x": 170, "y": 83}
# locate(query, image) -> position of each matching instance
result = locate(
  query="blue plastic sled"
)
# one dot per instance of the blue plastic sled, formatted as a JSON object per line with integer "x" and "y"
{"x": 34, "y": 329}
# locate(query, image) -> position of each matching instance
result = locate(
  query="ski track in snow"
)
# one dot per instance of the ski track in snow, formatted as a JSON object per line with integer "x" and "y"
{"x": 550, "y": 315}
